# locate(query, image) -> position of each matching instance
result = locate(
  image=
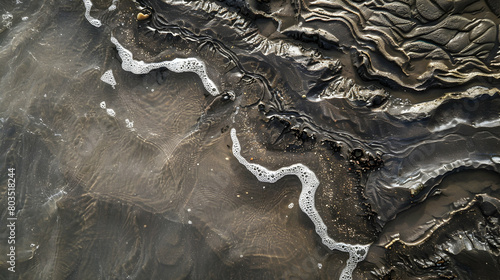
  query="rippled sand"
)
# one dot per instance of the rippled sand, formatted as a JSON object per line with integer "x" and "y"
{"x": 118, "y": 127}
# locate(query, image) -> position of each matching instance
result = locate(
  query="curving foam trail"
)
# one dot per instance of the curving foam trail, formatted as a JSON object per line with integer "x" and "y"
{"x": 88, "y": 5}
{"x": 178, "y": 65}
{"x": 310, "y": 184}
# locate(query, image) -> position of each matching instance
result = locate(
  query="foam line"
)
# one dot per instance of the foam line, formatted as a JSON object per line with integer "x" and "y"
{"x": 310, "y": 184}
{"x": 88, "y": 5}
{"x": 178, "y": 65}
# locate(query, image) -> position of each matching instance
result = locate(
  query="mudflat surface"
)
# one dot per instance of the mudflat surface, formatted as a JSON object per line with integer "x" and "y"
{"x": 122, "y": 155}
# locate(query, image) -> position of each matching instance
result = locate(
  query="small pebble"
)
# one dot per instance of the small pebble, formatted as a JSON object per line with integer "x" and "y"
{"x": 141, "y": 16}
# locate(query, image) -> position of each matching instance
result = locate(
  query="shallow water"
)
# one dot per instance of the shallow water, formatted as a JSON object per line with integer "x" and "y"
{"x": 131, "y": 175}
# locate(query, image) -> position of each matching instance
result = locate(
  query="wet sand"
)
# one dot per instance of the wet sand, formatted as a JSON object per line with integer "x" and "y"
{"x": 136, "y": 178}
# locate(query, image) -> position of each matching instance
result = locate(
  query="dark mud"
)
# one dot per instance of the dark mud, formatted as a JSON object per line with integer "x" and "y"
{"x": 394, "y": 105}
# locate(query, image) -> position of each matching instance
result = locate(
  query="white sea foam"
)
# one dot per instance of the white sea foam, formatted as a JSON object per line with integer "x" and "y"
{"x": 88, "y": 5}
{"x": 113, "y": 5}
{"x": 129, "y": 123}
{"x": 111, "y": 112}
{"x": 7, "y": 19}
{"x": 178, "y": 65}
{"x": 108, "y": 78}
{"x": 310, "y": 183}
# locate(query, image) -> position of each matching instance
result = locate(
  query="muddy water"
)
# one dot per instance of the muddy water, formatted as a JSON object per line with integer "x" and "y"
{"x": 136, "y": 178}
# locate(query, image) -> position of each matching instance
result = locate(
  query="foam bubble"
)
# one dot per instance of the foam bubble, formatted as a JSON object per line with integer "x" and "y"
{"x": 88, "y": 5}
{"x": 108, "y": 78}
{"x": 129, "y": 123}
{"x": 178, "y": 65}
{"x": 111, "y": 112}
{"x": 310, "y": 184}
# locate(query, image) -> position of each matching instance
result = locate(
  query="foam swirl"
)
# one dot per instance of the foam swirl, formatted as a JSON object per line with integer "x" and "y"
{"x": 310, "y": 184}
{"x": 178, "y": 65}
